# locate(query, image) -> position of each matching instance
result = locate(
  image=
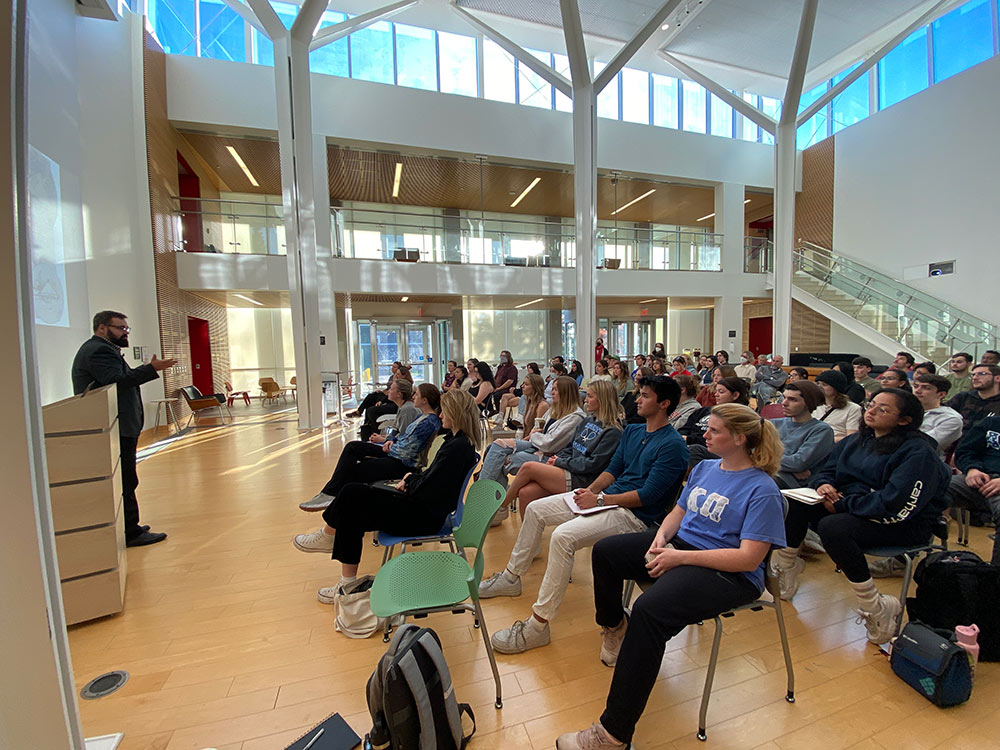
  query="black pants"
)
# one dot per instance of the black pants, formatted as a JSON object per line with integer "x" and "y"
{"x": 961, "y": 495}
{"x": 360, "y": 508}
{"x": 678, "y": 598}
{"x": 370, "y": 427}
{"x": 372, "y": 399}
{"x": 363, "y": 462}
{"x": 130, "y": 481}
{"x": 845, "y": 537}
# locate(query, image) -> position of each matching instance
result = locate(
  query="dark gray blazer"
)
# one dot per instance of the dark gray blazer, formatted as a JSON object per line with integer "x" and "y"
{"x": 99, "y": 363}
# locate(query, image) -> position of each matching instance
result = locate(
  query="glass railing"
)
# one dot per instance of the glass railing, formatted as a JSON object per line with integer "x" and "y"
{"x": 757, "y": 254}
{"x": 231, "y": 226}
{"x": 919, "y": 322}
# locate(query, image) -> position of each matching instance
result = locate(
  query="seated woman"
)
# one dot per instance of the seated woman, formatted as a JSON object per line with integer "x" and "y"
{"x": 882, "y": 487}
{"x": 461, "y": 378}
{"x": 620, "y": 377}
{"x": 400, "y": 393}
{"x": 689, "y": 401}
{"x": 530, "y": 407}
{"x": 629, "y": 399}
{"x": 482, "y": 384}
{"x": 706, "y": 557}
{"x": 727, "y": 391}
{"x": 419, "y": 505}
{"x": 583, "y": 459}
{"x": 706, "y": 396}
{"x": 383, "y": 458}
{"x": 517, "y": 400}
{"x": 601, "y": 371}
{"x": 449, "y": 377}
{"x": 377, "y": 397}
{"x": 576, "y": 371}
{"x": 658, "y": 365}
{"x": 842, "y": 414}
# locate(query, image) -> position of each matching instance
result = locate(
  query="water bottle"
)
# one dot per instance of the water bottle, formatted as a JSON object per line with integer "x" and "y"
{"x": 967, "y": 637}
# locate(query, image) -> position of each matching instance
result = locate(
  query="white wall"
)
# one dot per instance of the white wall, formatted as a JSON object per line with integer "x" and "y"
{"x": 917, "y": 183}
{"x": 843, "y": 341}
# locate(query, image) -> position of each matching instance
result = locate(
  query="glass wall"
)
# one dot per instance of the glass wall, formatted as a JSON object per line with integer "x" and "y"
{"x": 260, "y": 346}
{"x": 521, "y": 332}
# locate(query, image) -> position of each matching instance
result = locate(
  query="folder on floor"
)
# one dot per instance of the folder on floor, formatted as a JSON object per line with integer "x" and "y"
{"x": 337, "y": 735}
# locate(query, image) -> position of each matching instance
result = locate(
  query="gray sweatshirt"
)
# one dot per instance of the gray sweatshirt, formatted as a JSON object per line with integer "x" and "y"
{"x": 558, "y": 433}
{"x": 589, "y": 452}
{"x": 807, "y": 445}
{"x": 683, "y": 412}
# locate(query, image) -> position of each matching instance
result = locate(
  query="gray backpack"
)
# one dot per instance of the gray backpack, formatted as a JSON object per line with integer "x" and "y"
{"x": 411, "y": 699}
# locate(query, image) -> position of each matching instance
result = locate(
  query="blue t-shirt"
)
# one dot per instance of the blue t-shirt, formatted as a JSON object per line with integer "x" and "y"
{"x": 725, "y": 507}
{"x": 652, "y": 463}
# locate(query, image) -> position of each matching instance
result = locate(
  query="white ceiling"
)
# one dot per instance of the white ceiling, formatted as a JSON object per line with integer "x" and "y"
{"x": 611, "y": 19}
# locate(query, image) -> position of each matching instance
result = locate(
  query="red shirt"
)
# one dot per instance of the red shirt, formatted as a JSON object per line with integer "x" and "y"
{"x": 685, "y": 371}
{"x": 600, "y": 352}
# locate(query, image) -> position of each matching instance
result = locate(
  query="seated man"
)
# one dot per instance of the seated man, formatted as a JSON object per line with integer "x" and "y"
{"x": 863, "y": 376}
{"x": 769, "y": 380}
{"x": 807, "y": 440}
{"x": 942, "y": 423}
{"x": 960, "y": 375}
{"x": 978, "y": 486}
{"x": 984, "y": 398}
{"x": 641, "y": 480}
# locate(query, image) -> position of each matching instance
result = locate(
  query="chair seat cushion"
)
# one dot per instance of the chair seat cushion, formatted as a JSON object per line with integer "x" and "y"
{"x": 420, "y": 580}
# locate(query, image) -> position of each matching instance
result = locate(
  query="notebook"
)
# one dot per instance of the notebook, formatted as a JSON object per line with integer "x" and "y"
{"x": 804, "y": 495}
{"x": 337, "y": 735}
{"x": 571, "y": 504}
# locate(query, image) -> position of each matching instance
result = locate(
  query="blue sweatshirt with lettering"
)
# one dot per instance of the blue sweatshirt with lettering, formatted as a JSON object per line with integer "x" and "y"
{"x": 904, "y": 486}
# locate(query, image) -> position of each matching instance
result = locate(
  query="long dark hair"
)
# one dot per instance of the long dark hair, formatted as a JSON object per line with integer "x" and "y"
{"x": 485, "y": 373}
{"x": 534, "y": 369}
{"x": 908, "y": 406}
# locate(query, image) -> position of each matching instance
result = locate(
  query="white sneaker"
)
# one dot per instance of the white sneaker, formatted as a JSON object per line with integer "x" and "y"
{"x": 500, "y": 584}
{"x": 612, "y": 642}
{"x": 327, "y": 594}
{"x": 886, "y": 567}
{"x": 881, "y": 622}
{"x": 595, "y": 738}
{"x": 522, "y": 636}
{"x": 812, "y": 542}
{"x": 320, "y": 502}
{"x": 788, "y": 578}
{"x": 318, "y": 541}
{"x": 500, "y": 516}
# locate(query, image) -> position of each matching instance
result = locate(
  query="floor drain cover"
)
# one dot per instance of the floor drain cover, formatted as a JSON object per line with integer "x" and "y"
{"x": 104, "y": 685}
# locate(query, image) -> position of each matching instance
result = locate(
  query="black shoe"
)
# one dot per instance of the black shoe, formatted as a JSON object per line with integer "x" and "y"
{"x": 144, "y": 529}
{"x": 146, "y": 537}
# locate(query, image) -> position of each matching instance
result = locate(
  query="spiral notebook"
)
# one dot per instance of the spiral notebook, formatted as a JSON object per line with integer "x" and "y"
{"x": 337, "y": 735}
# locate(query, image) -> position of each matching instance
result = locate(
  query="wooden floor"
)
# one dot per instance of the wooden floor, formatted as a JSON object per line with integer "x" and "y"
{"x": 228, "y": 648}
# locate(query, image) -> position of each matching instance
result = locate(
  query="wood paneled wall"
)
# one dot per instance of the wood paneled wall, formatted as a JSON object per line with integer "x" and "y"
{"x": 810, "y": 333}
{"x": 814, "y": 205}
{"x": 175, "y": 305}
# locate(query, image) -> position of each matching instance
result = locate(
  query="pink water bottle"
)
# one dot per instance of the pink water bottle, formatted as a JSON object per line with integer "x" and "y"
{"x": 968, "y": 637}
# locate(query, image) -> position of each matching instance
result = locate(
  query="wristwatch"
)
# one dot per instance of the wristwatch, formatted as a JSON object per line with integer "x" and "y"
{"x": 600, "y": 499}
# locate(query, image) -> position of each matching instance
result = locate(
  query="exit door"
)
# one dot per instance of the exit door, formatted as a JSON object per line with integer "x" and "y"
{"x": 201, "y": 355}
{"x": 381, "y": 344}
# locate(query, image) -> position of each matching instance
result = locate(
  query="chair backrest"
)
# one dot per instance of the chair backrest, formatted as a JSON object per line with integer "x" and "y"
{"x": 191, "y": 393}
{"x": 485, "y": 497}
{"x": 266, "y": 380}
{"x": 270, "y": 387}
{"x": 228, "y": 386}
{"x": 427, "y": 455}
{"x": 772, "y": 411}
{"x": 293, "y": 380}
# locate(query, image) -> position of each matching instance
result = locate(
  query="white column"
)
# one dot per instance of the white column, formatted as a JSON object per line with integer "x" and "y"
{"x": 784, "y": 236}
{"x": 729, "y": 222}
{"x": 728, "y": 318}
{"x": 585, "y": 211}
{"x": 329, "y": 341}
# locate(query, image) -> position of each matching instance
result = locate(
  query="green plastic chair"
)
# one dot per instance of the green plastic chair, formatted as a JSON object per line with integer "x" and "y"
{"x": 424, "y": 582}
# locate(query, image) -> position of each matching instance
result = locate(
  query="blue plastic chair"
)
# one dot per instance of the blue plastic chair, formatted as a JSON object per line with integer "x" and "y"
{"x": 445, "y": 536}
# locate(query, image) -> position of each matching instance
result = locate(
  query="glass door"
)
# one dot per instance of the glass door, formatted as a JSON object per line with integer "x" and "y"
{"x": 387, "y": 343}
{"x": 618, "y": 343}
{"x": 642, "y": 334}
{"x": 418, "y": 351}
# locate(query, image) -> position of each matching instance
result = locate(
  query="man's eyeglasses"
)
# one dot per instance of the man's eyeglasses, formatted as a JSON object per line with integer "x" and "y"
{"x": 123, "y": 329}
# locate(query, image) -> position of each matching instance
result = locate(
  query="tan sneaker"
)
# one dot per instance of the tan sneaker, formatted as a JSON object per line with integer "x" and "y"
{"x": 612, "y": 643}
{"x": 595, "y": 738}
{"x": 882, "y": 620}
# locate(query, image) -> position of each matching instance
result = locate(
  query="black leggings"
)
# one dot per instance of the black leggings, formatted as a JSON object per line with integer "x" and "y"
{"x": 370, "y": 427}
{"x": 678, "y": 598}
{"x": 363, "y": 462}
{"x": 372, "y": 399}
{"x": 845, "y": 536}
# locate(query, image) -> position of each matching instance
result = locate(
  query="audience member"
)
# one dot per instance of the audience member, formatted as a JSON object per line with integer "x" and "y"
{"x": 629, "y": 400}
{"x": 377, "y": 397}
{"x": 640, "y": 361}
{"x": 855, "y": 392}
{"x": 679, "y": 365}
{"x": 658, "y": 351}
{"x": 904, "y": 361}
{"x": 942, "y": 423}
{"x": 576, "y": 372}
{"x": 556, "y": 371}
{"x": 584, "y": 457}
{"x": 708, "y": 365}
{"x": 483, "y": 384}
{"x": 385, "y": 458}
{"x": 746, "y": 369}
{"x": 984, "y": 398}
{"x": 881, "y": 487}
{"x": 688, "y": 403}
{"x": 990, "y": 357}
{"x": 462, "y": 380}
{"x": 449, "y": 377}
{"x": 796, "y": 374}
{"x": 978, "y": 486}
{"x": 923, "y": 368}
{"x": 706, "y": 396}
{"x": 807, "y": 441}
{"x": 620, "y": 378}
{"x": 400, "y": 393}
{"x": 533, "y": 369}
{"x": 842, "y": 414}
{"x": 722, "y": 356}
{"x": 895, "y": 378}
{"x": 731, "y": 390}
{"x": 769, "y": 380}
{"x": 658, "y": 365}
{"x": 600, "y": 350}
{"x": 639, "y": 484}
{"x": 419, "y": 504}
{"x": 530, "y": 405}
{"x": 601, "y": 371}
{"x": 960, "y": 376}
{"x": 504, "y": 380}
{"x": 863, "y": 376}
{"x": 706, "y": 557}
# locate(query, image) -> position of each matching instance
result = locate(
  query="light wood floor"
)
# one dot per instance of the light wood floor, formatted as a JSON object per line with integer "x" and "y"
{"x": 228, "y": 648}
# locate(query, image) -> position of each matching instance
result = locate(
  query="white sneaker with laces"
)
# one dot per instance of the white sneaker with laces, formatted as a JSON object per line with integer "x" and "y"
{"x": 788, "y": 578}
{"x": 886, "y": 567}
{"x": 612, "y": 642}
{"x": 317, "y": 541}
{"x": 320, "y": 502}
{"x": 500, "y": 584}
{"x": 881, "y": 621}
{"x": 328, "y": 594}
{"x": 595, "y": 738}
{"x": 522, "y": 636}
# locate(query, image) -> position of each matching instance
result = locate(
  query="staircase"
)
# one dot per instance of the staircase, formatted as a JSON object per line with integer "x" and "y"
{"x": 887, "y": 312}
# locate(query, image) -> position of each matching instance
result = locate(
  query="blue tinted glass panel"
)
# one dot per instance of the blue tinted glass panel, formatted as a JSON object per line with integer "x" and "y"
{"x": 771, "y": 108}
{"x": 812, "y": 130}
{"x": 332, "y": 58}
{"x": 852, "y": 105}
{"x": 750, "y": 130}
{"x": 635, "y": 96}
{"x": 498, "y": 73}
{"x": 722, "y": 118}
{"x": 694, "y": 106}
{"x": 459, "y": 70}
{"x": 532, "y": 88}
{"x": 903, "y": 72}
{"x": 173, "y": 22}
{"x": 263, "y": 49}
{"x": 607, "y": 100}
{"x": 962, "y": 39}
{"x": 416, "y": 57}
{"x": 664, "y": 101}
{"x": 563, "y": 102}
{"x": 371, "y": 53}
{"x": 223, "y": 35}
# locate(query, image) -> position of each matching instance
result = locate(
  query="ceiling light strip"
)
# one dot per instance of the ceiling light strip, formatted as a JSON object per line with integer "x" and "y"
{"x": 527, "y": 190}
{"x": 396, "y": 179}
{"x": 644, "y": 301}
{"x": 709, "y": 216}
{"x": 252, "y": 301}
{"x": 525, "y": 304}
{"x": 243, "y": 166}
{"x": 634, "y": 201}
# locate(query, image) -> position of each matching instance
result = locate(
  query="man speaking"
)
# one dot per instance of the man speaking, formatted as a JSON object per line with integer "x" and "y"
{"x": 100, "y": 362}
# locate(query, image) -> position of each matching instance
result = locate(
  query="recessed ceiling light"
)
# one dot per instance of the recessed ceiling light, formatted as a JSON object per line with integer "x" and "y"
{"x": 709, "y": 216}
{"x": 253, "y": 301}
{"x": 524, "y": 192}
{"x": 396, "y": 179}
{"x": 634, "y": 200}
{"x": 525, "y": 304}
{"x": 664, "y": 27}
{"x": 746, "y": 201}
{"x": 243, "y": 166}
{"x": 404, "y": 299}
{"x": 644, "y": 301}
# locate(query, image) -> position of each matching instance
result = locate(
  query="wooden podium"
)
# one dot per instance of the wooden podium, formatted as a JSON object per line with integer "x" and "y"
{"x": 82, "y": 453}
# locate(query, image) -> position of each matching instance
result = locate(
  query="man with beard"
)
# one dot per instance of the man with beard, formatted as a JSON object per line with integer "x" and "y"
{"x": 100, "y": 362}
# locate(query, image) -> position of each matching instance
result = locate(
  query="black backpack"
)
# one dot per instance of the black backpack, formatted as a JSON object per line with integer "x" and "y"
{"x": 411, "y": 699}
{"x": 957, "y": 588}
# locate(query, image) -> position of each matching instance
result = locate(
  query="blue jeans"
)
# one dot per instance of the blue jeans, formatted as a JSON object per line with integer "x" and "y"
{"x": 501, "y": 460}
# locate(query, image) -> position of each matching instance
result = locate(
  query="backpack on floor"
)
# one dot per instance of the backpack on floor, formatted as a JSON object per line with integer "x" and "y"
{"x": 956, "y": 587}
{"x": 929, "y": 661}
{"x": 411, "y": 699}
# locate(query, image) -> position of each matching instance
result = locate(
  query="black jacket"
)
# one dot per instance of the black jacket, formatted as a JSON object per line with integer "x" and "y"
{"x": 693, "y": 431}
{"x": 436, "y": 487}
{"x": 99, "y": 363}
{"x": 980, "y": 447}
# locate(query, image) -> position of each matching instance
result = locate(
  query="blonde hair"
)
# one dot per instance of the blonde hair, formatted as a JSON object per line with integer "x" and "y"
{"x": 569, "y": 397}
{"x": 460, "y": 407}
{"x": 763, "y": 444}
{"x": 537, "y": 392}
{"x": 609, "y": 409}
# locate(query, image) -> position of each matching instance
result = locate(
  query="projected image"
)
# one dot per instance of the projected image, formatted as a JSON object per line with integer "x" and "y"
{"x": 48, "y": 258}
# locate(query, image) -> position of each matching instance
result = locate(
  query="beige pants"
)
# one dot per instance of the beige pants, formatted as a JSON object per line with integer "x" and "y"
{"x": 573, "y": 533}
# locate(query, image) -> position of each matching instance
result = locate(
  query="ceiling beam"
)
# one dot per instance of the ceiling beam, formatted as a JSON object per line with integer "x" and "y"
{"x": 738, "y": 103}
{"x": 271, "y": 25}
{"x": 800, "y": 61}
{"x": 868, "y": 63}
{"x": 576, "y": 47}
{"x": 632, "y": 46}
{"x": 331, "y": 34}
{"x": 246, "y": 14}
{"x": 307, "y": 20}
{"x": 547, "y": 72}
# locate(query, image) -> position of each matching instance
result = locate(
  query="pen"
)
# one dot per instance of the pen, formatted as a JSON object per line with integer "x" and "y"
{"x": 313, "y": 740}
